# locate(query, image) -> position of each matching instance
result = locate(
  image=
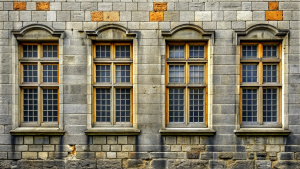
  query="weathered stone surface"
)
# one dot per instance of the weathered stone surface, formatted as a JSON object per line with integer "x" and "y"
{"x": 242, "y": 164}
{"x": 287, "y": 164}
{"x": 97, "y": 16}
{"x": 113, "y": 163}
{"x": 159, "y": 6}
{"x": 273, "y": 5}
{"x": 156, "y": 16}
{"x": 274, "y": 15}
{"x": 111, "y": 16}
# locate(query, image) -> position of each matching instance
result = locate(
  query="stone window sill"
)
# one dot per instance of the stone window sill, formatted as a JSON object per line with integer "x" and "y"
{"x": 37, "y": 131}
{"x": 187, "y": 132}
{"x": 113, "y": 131}
{"x": 262, "y": 132}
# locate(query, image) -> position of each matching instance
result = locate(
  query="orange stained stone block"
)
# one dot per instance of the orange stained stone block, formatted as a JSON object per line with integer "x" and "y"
{"x": 42, "y": 6}
{"x": 19, "y": 6}
{"x": 273, "y": 6}
{"x": 97, "y": 16}
{"x": 156, "y": 16}
{"x": 159, "y": 6}
{"x": 111, "y": 16}
{"x": 274, "y": 15}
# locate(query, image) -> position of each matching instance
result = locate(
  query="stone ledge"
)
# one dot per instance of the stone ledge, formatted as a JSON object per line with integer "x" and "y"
{"x": 112, "y": 131}
{"x": 187, "y": 131}
{"x": 262, "y": 132}
{"x": 38, "y": 131}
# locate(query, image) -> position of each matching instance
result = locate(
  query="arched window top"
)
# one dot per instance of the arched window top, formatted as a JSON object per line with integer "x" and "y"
{"x": 261, "y": 32}
{"x": 112, "y": 31}
{"x": 188, "y": 32}
{"x": 41, "y": 30}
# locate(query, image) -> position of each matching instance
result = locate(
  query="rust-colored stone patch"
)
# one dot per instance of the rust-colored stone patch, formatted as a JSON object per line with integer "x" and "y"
{"x": 159, "y": 6}
{"x": 19, "y": 6}
{"x": 97, "y": 16}
{"x": 111, "y": 16}
{"x": 274, "y": 15}
{"x": 273, "y": 6}
{"x": 42, "y": 6}
{"x": 156, "y": 16}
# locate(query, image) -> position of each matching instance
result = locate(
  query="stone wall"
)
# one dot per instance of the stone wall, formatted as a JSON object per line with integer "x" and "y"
{"x": 148, "y": 25}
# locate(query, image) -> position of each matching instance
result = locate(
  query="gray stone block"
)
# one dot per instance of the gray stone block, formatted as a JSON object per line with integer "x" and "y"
{"x": 196, "y": 6}
{"x": 187, "y": 16}
{"x": 125, "y": 16}
{"x": 261, "y": 156}
{"x": 214, "y": 6}
{"x": 134, "y": 163}
{"x": 85, "y": 155}
{"x": 77, "y": 16}
{"x": 260, "y": 6}
{"x": 286, "y": 156}
{"x": 181, "y": 6}
{"x": 158, "y": 164}
{"x": 289, "y": 6}
{"x": 260, "y": 164}
{"x": 25, "y": 15}
{"x": 3, "y": 155}
{"x": 131, "y": 6}
{"x": 140, "y": 16}
{"x": 70, "y": 6}
{"x": 14, "y": 15}
{"x": 99, "y": 140}
{"x": 142, "y": 6}
{"x": 231, "y": 6}
{"x": 203, "y": 16}
{"x": 63, "y": 15}
{"x": 217, "y": 164}
{"x": 242, "y": 164}
{"x": 55, "y": 6}
{"x": 287, "y": 164}
{"x": 88, "y": 6}
{"x": 169, "y": 155}
{"x": 14, "y": 155}
{"x": 57, "y": 155}
{"x": 8, "y": 5}
{"x": 41, "y": 140}
{"x": 35, "y": 148}
{"x": 39, "y": 15}
{"x": 95, "y": 148}
{"x": 106, "y": 6}
{"x": 3, "y": 15}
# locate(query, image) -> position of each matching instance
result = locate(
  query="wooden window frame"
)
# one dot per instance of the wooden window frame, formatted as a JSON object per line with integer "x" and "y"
{"x": 260, "y": 85}
{"x": 39, "y": 85}
{"x": 112, "y": 85}
{"x": 187, "y": 62}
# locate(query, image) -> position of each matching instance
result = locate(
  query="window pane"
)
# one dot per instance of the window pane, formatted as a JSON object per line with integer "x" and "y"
{"x": 176, "y": 51}
{"x": 249, "y": 51}
{"x": 50, "y": 73}
{"x": 102, "y": 105}
{"x": 269, "y": 105}
{"x": 176, "y": 105}
{"x": 176, "y": 73}
{"x": 122, "y": 51}
{"x": 123, "y": 73}
{"x": 30, "y": 51}
{"x": 249, "y": 73}
{"x": 197, "y": 103}
{"x": 197, "y": 74}
{"x": 269, "y": 51}
{"x": 249, "y": 105}
{"x": 269, "y": 73}
{"x": 102, "y": 73}
{"x": 103, "y": 51}
{"x": 30, "y": 105}
{"x": 197, "y": 51}
{"x": 50, "y": 105}
{"x": 49, "y": 51}
{"x": 30, "y": 73}
{"x": 123, "y": 105}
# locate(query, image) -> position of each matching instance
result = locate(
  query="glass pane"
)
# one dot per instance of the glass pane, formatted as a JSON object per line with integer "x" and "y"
{"x": 30, "y": 105}
{"x": 197, "y": 51}
{"x": 103, "y": 51}
{"x": 102, "y": 105}
{"x": 49, "y": 51}
{"x": 122, "y": 51}
{"x": 123, "y": 73}
{"x": 176, "y": 51}
{"x": 50, "y": 73}
{"x": 249, "y": 105}
{"x": 30, "y": 51}
{"x": 197, "y": 74}
{"x": 270, "y": 51}
{"x": 50, "y": 105}
{"x": 176, "y": 73}
{"x": 123, "y": 105}
{"x": 197, "y": 105}
{"x": 249, "y": 73}
{"x": 176, "y": 105}
{"x": 30, "y": 73}
{"x": 269, "y": 105}
{"x": 269, "y": 73}
{"x": 102, "y": 73}
{"x": 249, "y": 51}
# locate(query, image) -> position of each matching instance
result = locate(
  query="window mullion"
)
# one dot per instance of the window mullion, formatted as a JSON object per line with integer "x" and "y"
{"x": 260, "y": 105}
{"x": 113, "y": 105}
{"x": 186, "y": 106}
